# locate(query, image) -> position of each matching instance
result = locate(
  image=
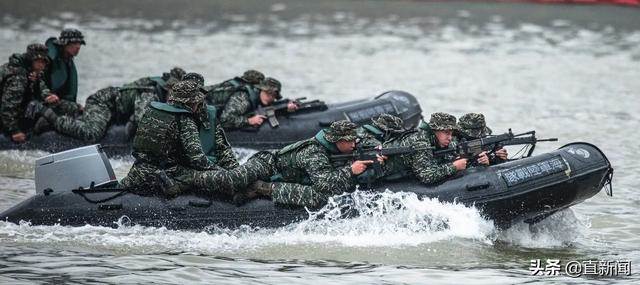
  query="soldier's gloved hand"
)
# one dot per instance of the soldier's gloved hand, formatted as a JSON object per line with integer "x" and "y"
{"x": 359, "y": 166}
{"x": 19, "y": 137}
{"x": 502, "y": 154}
{"x": 52, "y": 98}
{"x": 256, "y": 120}
{"x": 483, "y": 158}
{"x": 460, "y": 164}
{"x": 292, "y": 107}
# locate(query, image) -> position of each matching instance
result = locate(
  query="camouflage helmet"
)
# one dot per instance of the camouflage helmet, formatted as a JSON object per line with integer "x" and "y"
{"x": 271, "y": 85}
{"x": 341, "y": 130}
{"x": 442, "y": 121}
{"x": 173, "y": 76}
{"x": 37, "y": 51}
{"x": 186, "y": 92}
{"x": 252, "y": 76}
{"x": 68, "y": 36}
{"x": 473, "y": 125}
{"x": 195, "y": 77}
{"x": 388, "y": 123}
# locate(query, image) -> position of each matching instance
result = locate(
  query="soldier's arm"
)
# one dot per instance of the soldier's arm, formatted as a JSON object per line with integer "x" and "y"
{"x": 324, "y": 177}
{"x": 226, "y": 158}
{"x": 141, "y": 104}
{"x": 426, "y": 167}
{"x": 191, "y": 146}
{"x": 66, "y": 107}
{"x": 235, "y": 111}
{"x": 11, "y": 98}
{"x": 44, "y": 90}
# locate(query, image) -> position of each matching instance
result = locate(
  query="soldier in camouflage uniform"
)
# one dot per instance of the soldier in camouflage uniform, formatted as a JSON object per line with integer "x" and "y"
{"x": 112, "y": 105}
{"x": 20, "y": 82}
{"x": 473, "y": 126}
{"x": 175, "y": 152}
{"x": 219, "y": 94}
{"x": 61, "y": 76}
{"x": 438, "y": 133}
{"x": 308, "y": 175}
{"x": 389, "y": 131}
{"x": 239, "y": 102}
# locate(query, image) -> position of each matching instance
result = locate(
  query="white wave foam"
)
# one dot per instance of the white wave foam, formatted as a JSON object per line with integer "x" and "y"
{"x": 385, "y": 220}
{"x": 558, "y": 230}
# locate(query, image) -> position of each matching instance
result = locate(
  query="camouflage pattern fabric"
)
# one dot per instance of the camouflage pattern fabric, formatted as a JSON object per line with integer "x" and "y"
{"x": 229, "y": 180}
{"x": 68, "y": 36}
{"x": 17, "y": 90}
{"x": 105, "y": 107}
{"x": 442, "y": 121}
{"x": 421, "y": 165}
{"x": 271, "y": 85}
{"x": 252, "y": 76}
{"x": 236, "y": 111}
{"x": 172, "y": 146}
{"x": 473, "y": 125}
{"x": 341, "y": 130}
{"x": 195, "y": 77}
{"x": 186, "y": 92}
{"x": 388, "y": 123}
{"x": 309, "y": 177}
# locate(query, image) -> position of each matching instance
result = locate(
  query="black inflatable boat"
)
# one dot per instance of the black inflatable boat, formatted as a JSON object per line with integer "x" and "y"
{"x": 528, "y": 190}
{"x": 292, "y": 128}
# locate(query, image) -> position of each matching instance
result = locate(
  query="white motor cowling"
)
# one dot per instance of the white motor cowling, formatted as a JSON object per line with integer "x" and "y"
{"x": 72, "y": 169}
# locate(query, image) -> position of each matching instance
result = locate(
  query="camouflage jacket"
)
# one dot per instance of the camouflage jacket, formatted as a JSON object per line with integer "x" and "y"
{"x": 168, "y": 140}
{"x": 16, "y": 91}
{"x": 425, "y": 166}
{"x": 236, "y": 99}
{"x": 307, "y": 162}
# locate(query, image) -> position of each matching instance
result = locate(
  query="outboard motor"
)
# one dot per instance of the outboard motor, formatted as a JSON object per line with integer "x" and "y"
{"x": 68, "y": 170}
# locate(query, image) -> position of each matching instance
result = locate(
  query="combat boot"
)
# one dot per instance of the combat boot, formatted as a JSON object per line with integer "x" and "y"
{"x": 257, "y": 188}
{"x": 41, "y": 126}
{"x": 50, "y": 115}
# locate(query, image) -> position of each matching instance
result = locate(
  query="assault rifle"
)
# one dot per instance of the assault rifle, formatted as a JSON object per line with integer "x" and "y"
{"x": 280, "y": 108}
{"x": 372, "y": 153}
{"x": 472, "y": 148}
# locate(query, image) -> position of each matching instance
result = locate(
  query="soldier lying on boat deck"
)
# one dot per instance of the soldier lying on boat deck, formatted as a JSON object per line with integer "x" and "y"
{"x": 305, "y": 174}
{"x": 111, "y": 105}
{"x": 240, "y": 97}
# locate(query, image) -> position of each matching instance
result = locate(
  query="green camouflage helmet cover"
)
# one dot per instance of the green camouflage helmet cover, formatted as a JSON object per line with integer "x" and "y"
{"x": 186, "y": 92}
{"x": 173, "y": 76}
{"x": 442, "y": 121}
{"x": 252, "y": 76}
{"x": 195, "y": 77}
{"x": 388, "y": 123}
{"x": 473, "y": 125}
{"x": 68, "y": 36}
{"x": 341, "y": 130}
{"x": 271, "y": 85}
{"x": 37, "y": 51}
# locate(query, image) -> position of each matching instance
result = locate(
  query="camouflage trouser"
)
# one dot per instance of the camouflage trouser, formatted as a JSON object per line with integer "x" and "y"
{"x": 93, "y": 123}
{"x": 299, "y": 194}
{"x": 230, "y": 181}
{"x": 143, "y": 177}
{"x": 66, "y": 108}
